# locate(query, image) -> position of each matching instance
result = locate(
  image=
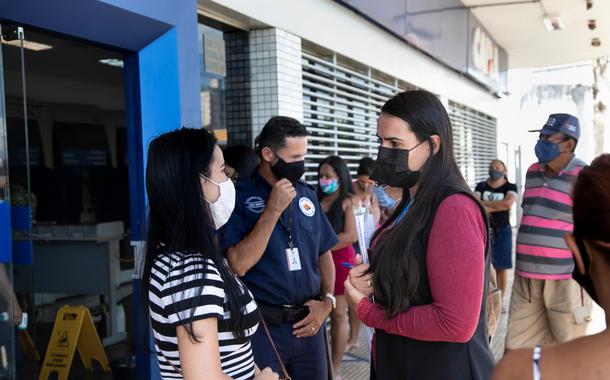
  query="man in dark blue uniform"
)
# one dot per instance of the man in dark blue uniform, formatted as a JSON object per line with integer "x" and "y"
{"x": 278, "y": 241}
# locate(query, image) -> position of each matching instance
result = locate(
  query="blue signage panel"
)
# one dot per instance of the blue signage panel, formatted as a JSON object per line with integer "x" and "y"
{"x": 85, "y": 157}
{"x": 18, "y": 156}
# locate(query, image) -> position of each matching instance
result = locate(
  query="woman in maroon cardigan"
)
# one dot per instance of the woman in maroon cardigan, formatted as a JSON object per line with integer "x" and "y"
{"x": 424, "y": 290}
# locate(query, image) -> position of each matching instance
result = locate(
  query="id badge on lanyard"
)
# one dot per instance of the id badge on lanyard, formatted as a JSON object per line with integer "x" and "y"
{"x": 294, "y": 261}
{"x": 292, "y": 253}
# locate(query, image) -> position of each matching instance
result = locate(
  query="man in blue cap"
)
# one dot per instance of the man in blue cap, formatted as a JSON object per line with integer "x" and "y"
{"x": 547, "y": 306}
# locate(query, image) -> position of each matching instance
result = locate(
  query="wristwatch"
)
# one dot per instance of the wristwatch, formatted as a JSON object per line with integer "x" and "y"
{"x": 333, "y": 300}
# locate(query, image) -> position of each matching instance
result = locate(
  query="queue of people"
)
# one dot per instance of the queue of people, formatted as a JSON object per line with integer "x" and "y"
{"x": 246, "y": 262}
{"x": 589, "y": 243}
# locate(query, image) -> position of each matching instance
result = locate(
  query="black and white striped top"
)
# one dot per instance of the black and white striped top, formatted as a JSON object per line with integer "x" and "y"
{"x": 176, "y": 280}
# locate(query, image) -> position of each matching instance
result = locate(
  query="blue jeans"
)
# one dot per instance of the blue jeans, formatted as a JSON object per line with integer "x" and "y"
{"x": 304, "y": 358}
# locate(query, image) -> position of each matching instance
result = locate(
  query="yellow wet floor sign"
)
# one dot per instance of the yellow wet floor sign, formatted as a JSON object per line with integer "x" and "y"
{"x": 73, "y": 330}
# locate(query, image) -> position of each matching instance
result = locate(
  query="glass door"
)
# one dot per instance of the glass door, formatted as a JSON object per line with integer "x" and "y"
{"x": 9, "y": 312}
{"x": 15, "y": 202}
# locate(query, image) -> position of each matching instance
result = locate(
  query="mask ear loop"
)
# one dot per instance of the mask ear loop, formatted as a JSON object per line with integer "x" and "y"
{"x": 212, "y": 181}
{"x": 207, "y": 179}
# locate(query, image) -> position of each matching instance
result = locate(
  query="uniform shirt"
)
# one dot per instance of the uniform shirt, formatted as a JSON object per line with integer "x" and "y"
{"x": 184, "y": 283}
{"x": 547, "y": 217}
{"x": 270, "y": 280}
{"x": 500, "y": 219}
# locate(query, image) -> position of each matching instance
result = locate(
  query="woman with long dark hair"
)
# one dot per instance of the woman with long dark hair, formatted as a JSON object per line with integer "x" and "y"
{"x": 335, "y": 190}
{"x": 201, "y": 315}
{"x": 424, "y": 292}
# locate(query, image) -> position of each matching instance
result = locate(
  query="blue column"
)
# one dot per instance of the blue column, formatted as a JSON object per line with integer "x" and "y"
{"x": 153, "y": 93}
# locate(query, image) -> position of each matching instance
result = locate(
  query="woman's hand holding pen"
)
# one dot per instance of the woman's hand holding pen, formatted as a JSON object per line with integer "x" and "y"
{"x": 359, "y": 279}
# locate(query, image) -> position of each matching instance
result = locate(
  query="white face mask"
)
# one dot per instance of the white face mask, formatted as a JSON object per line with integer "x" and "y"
{"x": 224, "y": 205}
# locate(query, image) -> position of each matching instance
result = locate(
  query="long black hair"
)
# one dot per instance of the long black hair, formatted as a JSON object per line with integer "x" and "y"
{"x": 242, "y": 158}
{"x": 393, "y": 260}
{"x": 346, "y": 188}
{"x": 179, "y": 217}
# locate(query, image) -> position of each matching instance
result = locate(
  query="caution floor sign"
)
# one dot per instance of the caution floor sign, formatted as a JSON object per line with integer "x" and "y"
{"x": 73, "y": 330}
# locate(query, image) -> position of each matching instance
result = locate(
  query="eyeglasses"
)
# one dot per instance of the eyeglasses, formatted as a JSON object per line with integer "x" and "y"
{"x": 553, "y": 140}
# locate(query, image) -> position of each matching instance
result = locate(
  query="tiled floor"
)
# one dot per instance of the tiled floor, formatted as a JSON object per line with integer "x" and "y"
{"x": 356, "y": 362}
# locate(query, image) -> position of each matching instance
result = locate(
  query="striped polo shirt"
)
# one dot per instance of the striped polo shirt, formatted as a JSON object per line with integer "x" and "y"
{"x": 547, "y": 217}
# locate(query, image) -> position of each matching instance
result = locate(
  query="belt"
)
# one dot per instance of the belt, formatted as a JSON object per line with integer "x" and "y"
{"x": 278, "y": 315}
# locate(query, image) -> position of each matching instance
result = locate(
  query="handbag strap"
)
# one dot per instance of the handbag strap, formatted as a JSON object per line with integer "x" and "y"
{"x": 277, "y": 354}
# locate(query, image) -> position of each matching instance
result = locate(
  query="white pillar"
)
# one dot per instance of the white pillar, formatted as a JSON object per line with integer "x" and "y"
{"x": 276, "y": 76}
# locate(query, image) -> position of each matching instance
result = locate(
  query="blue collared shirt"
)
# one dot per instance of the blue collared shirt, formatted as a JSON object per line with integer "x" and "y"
{"x": 270, "y": 280}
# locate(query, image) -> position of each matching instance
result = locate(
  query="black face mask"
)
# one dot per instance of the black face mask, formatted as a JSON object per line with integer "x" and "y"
{"x": 392, "y": 168}
{"x": 291, "y": 171}
{"x": 584, "y": 280}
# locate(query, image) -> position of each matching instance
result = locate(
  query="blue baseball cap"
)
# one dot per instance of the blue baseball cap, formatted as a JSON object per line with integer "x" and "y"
{"x": 561, "y": 122}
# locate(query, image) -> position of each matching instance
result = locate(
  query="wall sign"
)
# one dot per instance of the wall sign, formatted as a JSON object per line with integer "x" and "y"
{"x": 485, "y": 57}
{"x": 487, "y": 61}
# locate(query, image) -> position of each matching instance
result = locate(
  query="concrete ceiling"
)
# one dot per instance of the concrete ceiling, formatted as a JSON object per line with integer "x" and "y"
{"x": 519, "y": 29}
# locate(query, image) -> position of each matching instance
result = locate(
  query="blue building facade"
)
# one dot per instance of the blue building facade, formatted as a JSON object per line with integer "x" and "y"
{"x": 159, "y": 43}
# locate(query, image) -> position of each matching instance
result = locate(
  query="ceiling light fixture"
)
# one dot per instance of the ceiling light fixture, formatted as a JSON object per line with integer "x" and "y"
{"x": 592, "y": 24}
{"x": 596, "y": 42}
{"x": 553, "y": 22}
{"x": 30, "y": 45}
{"x": 112, "y": 62}
{"x": 589, "y": 4}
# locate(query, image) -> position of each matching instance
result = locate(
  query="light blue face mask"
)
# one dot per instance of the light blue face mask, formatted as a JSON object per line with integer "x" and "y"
{"x": 385, "y": 200}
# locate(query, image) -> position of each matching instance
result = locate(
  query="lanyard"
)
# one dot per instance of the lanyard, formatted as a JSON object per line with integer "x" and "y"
{"x": 403, "y": 213}
{"x": 288, "y": 227}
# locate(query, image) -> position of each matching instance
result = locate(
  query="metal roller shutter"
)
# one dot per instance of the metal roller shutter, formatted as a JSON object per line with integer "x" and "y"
{"x": 341, "y": 103}
{"x": 475, "y": 141}
{"x": 340, "y": 109}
